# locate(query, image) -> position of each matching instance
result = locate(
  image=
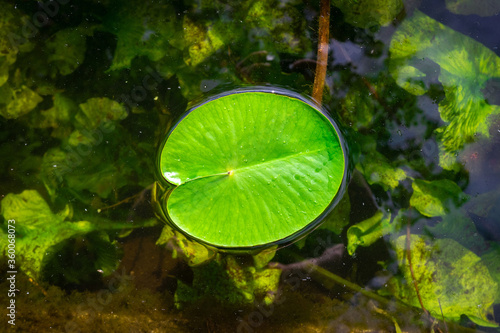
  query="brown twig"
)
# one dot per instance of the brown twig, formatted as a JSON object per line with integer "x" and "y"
{"x": 408, "y": 255}
{"x": 323, "y": 40}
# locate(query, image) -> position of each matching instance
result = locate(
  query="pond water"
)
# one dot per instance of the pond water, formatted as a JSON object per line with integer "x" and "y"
{"x": 90, "y": 89}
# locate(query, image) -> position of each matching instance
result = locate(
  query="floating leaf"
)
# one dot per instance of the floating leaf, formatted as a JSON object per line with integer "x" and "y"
{"x": 436, "y": 198}
{"x": 448, "y": 272}
{"x": 251, "y": 168}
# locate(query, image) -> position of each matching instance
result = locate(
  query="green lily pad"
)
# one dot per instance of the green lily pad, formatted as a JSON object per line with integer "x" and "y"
{"x": 252, "y": 168}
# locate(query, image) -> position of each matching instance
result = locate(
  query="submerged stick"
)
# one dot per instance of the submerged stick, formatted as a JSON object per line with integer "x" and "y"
{"x": 322, "y": 57}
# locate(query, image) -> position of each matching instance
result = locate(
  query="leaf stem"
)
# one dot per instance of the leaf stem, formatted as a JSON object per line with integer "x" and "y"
{"x": 323, "y": 40}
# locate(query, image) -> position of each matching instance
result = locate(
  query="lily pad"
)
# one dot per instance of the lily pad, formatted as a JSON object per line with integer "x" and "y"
{"x": 252, "y": 168}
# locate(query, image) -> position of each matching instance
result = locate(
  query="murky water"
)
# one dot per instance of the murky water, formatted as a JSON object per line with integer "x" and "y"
{"x": 88, "y": 91}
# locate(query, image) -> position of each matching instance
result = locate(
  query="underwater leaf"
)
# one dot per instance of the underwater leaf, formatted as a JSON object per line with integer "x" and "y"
{"x": 101, "y": 179}
{"x": 226, "y": 280}
{"x": 447, "y": 271}
{"x": 377, "y": 170}
{"x": 201, "y": 42}
{"x": 491, "y": 259}
{"x": 465, "y": 67}
{"x": 99, "y": 160}
{"x": 278, "y": 25}
{"x": 409, "y": 78}
{"x": 369, "y": 231}
{"x": 149, "y": 29}
{"x": 37, "y": 228}
{"x": 55, "y": 164}
{"x": 67, "y": 47}
{"x": 96, "y": 111}
{"x": 58, "y": 117}
{"x": 468, "y": 7}
{"x": 80, "y": 260}
{"x": 359, "y": 109}
{"x": 16, "y": 96}
{"x": 265, "y": 282}
{"x": 251, "y": 281}
{"x": 369, "y": 13}
{"x": 485, "y": 205}
{"x": 17, "y": 101}
{"x": 192, "y": 252}
{"x": 436, "y": 198}
{"x": 41, "y": 235}
{"x": 11, "y": 24}
{"x": 263, "y": 258}
{"x": 251, "y": 168}
{"x": 458, "y": 226}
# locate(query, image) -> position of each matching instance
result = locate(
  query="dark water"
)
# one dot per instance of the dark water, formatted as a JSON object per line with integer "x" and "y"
{"x": 89, "y": 89}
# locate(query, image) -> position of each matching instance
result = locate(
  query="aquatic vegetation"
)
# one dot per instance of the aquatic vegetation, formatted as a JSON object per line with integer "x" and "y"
{"x": 266, "y": 145}
{"x": 465, "y": 67}
{"x": 88, "y": 95}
